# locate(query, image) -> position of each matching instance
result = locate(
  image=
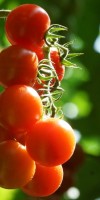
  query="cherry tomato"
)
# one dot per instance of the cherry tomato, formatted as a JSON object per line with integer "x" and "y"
{"x": 18, "y": 66}
{"x": 56, "y": 61}
{"x": 39, "y": 52}
{"x": 52, "y": 142}
{"x": 20, "y": 108}
{"x": 26, "y": 25}
{"x": 45, "y": 181}
{"x": 39, "y": 87}
{"x": 16, "y": 166}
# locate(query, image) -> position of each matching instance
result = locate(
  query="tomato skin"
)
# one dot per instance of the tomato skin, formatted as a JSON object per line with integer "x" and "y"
{"x": 52, "y": 142}
{"x": 20, "y": 108}
{"x": 26, "y": 25}
{"x": 39, "y": 52}
{"x": 5, "y": 134}
{"x": 45, "y": 181}
{"x": 56, "y": 61}
{"x": 39, "y": 87}
{"x": 18, "y": 66}
{"x": 16, "y": 166}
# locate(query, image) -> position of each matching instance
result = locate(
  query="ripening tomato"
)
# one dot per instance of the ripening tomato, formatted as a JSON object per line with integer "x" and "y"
{"x": 26, "y": 25}
{"x": 16, "y": 166}
{"x": 45, "y": 181}
{"x": 51, "y": 142}
{"x": 18, "y": 66}
{"x": 20, "y": 108}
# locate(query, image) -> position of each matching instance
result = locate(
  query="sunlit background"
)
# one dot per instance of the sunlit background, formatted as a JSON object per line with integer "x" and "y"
{"x": 81, "y": 99}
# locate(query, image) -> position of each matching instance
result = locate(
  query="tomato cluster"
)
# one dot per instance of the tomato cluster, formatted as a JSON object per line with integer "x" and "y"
{"x": 33, "y": 145}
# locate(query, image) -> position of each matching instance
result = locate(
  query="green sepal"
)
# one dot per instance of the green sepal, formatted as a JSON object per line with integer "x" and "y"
{"x": 72, "y": 55}
{"x": 56, "y": 27}
{"x": 67, "y": 63}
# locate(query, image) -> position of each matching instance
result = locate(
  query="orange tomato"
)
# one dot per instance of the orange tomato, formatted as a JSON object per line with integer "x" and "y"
{"x": 45, "y": 181}
{"x": 51, "y": 142}
{"x": 16, "y": 166}
{"x": 20, "y": 108}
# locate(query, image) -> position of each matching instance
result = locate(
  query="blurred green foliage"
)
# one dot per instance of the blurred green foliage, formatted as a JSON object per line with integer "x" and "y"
{"x": 81, "y": 98}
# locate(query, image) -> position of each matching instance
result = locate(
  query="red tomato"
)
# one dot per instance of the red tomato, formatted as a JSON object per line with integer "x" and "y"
{"x": 39, "y": 87}
{"x": 20, "y": 108}
{"x": 16, "y": 166}
{"x": 39, "y": 52}
{"x": 52, "y": 142}
{"x": 18, "y": 66}
{"x": 45, "y": 181}
{"x": 26, "y": 25}
{"x": 56, "y": 61}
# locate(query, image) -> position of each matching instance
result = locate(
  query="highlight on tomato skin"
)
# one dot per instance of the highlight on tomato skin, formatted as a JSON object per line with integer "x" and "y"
{"x": 20, "y": 108}
{"x": 18, "y": 66}
{"x": 52, "y": 142}
{"x": 16, "y": 166}
{"x": 26, "y": 25}
{"x": 45, "y": 181}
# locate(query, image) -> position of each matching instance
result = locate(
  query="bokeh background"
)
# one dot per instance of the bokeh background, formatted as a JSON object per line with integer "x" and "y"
{"x": 81, "y": 99}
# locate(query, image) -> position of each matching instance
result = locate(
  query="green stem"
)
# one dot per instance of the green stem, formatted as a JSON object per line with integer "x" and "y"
{"x": 4, "y": 13}
{"x": 51, "y": 91}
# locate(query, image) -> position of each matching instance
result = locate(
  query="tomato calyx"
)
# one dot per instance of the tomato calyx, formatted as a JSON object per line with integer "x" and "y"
{"x": 49, "y": 75}
{"x": 52, "y": 40}
{"x": 50, "y": 37}
{"x": 52, "y": 91}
